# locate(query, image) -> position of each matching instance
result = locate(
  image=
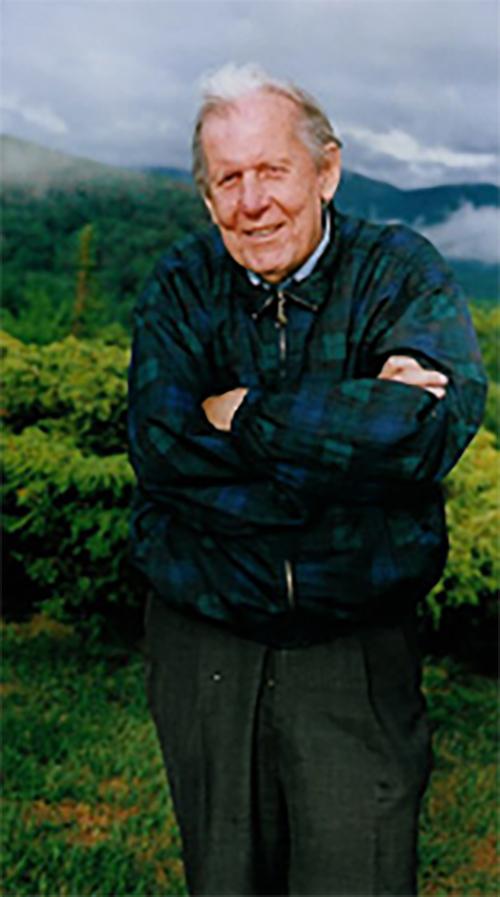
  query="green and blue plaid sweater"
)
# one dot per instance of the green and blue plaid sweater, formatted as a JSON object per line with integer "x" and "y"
{"x": 321, "y": 509}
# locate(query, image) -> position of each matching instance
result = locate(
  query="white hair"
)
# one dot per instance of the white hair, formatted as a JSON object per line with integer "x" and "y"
{"x": 230, "y": 83}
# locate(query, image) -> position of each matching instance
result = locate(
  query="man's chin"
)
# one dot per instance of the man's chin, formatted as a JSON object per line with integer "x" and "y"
{"x": 268, "y": 269}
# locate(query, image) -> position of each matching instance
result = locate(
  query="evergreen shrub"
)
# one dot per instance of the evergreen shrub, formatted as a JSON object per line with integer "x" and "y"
{"x": 67, "y": 481}
{"x": 472, "y": 573}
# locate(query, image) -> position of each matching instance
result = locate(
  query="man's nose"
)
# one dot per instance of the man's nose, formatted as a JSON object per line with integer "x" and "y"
{"x": 253, "y": 196}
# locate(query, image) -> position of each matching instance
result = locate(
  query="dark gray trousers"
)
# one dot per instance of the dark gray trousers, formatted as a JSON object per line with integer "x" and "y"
{"x": 292, "y": 771}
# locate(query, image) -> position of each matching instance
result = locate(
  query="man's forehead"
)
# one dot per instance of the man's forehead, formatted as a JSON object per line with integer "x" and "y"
{"x": 259, "y": 121}
{"x": 258, "y": 107}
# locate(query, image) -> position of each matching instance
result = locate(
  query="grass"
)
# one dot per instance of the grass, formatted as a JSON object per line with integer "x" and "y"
{"x": 459, "y": 834}
{"x": 86, "y": 810}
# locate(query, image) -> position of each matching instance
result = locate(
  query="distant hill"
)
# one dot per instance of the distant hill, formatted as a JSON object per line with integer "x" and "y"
{"x": 34, "y": 167}
{"x": 480, "y": 282}
{"x": 49, "y": 196}
{"x": 179, "y": 175}
{"x": 68, "y": 221}
{"x": 359, "y": 195}
{"x": 30, "y": 165}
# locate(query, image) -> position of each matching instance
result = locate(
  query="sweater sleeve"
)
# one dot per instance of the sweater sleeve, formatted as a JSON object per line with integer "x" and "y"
{"x": 181, "y": 462}
{"x": 326, "y": 438}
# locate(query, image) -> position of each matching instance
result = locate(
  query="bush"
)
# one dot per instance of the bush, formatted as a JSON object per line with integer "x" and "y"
{"x": 67, "y": 480}
{"x": 66, "y": 514}
{"x": 487, "y": 324}
{"x": 68, "y": 486}
{"x": 72, "y": 387}
{"x": 473, "y": 513}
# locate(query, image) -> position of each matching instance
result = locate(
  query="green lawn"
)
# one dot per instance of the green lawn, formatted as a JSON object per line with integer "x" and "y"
{"x": 85, "y": 808}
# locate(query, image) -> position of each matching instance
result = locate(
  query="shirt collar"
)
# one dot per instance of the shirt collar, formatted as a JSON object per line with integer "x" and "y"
{"x": 305, "y": 269}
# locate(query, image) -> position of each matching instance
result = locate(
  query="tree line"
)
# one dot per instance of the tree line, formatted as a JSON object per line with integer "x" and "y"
{"x": 74, "y": 259}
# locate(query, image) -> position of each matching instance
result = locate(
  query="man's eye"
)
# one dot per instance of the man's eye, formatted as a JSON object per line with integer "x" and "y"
{"x": 228, "y": 180}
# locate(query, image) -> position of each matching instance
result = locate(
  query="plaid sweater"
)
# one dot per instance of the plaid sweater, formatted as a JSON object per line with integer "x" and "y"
{"x": 321, "y": 509}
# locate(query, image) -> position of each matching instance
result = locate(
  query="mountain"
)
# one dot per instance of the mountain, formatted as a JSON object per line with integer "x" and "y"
{"x": 49, "y": 196}
{"x": 39, "y": 169}
{"x": 179, "y": 175}
{"x": 359, "y": 195}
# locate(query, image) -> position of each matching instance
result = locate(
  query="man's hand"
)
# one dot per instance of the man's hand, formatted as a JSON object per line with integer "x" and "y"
{"x": 405, "y": 369}
{"x": 220, "y": 410}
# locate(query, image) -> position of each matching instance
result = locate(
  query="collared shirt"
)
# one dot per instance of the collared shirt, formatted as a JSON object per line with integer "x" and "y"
{"x": 322, "y": 506}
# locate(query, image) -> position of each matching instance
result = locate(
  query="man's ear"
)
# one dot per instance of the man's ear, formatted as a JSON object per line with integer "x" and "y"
{"x": 329, "y": 175}
{"x": 210, "y": 206}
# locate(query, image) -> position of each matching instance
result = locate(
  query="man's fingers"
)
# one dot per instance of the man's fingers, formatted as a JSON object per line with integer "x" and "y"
{"x": 437, "y": 391}
{"x": 404, "y": 369}
{"x": 421, "y": 377}
{"x": 397, "y": 363}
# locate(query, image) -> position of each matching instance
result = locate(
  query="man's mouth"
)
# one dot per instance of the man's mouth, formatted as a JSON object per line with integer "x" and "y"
{"x": 261, "y": 233}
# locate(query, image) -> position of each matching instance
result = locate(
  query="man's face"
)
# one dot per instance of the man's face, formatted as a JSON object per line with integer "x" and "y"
{"x": 264, "y": 187}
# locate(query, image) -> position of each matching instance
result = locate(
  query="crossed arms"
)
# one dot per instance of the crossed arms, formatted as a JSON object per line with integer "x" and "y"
{"x": 221, "y": 409}
{"x": 227, "y": 464}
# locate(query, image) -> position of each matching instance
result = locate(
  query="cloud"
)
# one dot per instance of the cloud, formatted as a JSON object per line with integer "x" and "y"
{"x": 468, "y": 233}
{"x": 41, "y": 116}
{"x": 112, "y": 70}
{"x": 405, "y": 148}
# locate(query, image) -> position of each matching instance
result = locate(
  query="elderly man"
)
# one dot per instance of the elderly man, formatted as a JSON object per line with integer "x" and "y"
{"x": 301, "y": 382}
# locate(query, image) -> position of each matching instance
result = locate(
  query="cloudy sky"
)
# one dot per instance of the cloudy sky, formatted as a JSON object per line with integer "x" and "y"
{"x": 411, "y": 85}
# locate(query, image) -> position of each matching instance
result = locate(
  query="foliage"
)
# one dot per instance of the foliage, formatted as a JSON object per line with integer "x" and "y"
{"x": 487, "y": 324}
{"x": 86, "y": 811}
{"x": 93, "y": 240}
{"x": 472, "y": 573}
{"x": 66, "y": 514}
{"x": 67, "y": 480}
{"x": 73, "y": 387}
{"x": 47, "y": 308}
